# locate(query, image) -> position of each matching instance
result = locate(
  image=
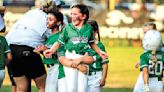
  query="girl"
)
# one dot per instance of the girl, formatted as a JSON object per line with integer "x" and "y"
{"x": 152, "y": 62}
{"x": 99, "y": 68}
{"x": 54, "y": 21}
{"x": 76, "y": 37}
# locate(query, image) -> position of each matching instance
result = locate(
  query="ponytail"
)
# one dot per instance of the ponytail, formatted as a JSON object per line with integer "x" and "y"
{"x": 153, "y": 57}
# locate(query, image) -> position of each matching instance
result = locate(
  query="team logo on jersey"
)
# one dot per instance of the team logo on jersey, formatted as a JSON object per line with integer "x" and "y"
{"x": 76, "y": 40}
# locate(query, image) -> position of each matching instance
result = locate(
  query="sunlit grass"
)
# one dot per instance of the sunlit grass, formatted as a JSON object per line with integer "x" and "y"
{"x": 122, "y": 74}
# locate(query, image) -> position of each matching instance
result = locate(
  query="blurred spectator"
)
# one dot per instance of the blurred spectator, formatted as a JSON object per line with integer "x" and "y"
{"x": 27, "y": 33}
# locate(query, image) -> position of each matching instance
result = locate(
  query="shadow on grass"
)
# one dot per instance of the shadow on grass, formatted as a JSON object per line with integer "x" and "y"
{"x": 34, "y": 89}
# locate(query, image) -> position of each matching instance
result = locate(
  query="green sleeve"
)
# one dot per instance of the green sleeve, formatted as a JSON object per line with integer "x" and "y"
{"x": 92, "y": 38}
{"x": 61, "y": 51}
{"x": 144, "y": 61}
{"x": 7, "y": 49}
{"x": 63, "y": 36}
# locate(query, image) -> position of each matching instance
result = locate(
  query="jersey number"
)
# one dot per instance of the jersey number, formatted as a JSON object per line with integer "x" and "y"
{"x": 157, "y": 70}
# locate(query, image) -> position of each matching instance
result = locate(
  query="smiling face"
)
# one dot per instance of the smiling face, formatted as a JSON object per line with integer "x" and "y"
{"x": 77, "y": 17}
{"x": 51, "y": 20}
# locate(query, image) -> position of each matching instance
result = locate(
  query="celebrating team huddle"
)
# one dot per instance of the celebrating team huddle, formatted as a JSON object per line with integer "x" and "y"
{"x": 76, "y": 61}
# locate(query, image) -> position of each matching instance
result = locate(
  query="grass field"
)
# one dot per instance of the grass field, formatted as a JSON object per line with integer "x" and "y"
{"x": 8, "y": 88}
{"x": 122, "y": 74}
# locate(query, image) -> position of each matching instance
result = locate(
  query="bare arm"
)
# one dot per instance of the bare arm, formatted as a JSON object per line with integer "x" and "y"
{"x": 84, "y": 60}
{"x": 96, "y": 48}
{"x": 8, "y": 58}
{"x": 145, "y": 75}
{"x": 71, "y": 63}
{"x": 52, "y": 50}
{"x": 64, "y": 61}
{"x": 145, "y": 78}
{"x": 102, "y": 54}
{"x": 104, "y": 74}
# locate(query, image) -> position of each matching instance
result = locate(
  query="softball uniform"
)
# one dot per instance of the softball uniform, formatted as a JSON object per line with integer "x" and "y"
{"x": 95, "y": 72}
{"x": 76, "y": 42}
{"x": 155, "y": 73}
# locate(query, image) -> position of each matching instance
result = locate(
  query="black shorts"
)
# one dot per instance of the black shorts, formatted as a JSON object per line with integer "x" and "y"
{"x": 26, "y": 62}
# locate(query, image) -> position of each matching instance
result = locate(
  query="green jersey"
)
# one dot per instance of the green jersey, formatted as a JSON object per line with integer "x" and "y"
{"x": 146, "y": 61}
{"x": 75, "y": 39}
{"x": 97, "y": 65}
{"x": 4, "y": 49}
{"x": 61, "y": 52}
{"x": 49, "y": 42}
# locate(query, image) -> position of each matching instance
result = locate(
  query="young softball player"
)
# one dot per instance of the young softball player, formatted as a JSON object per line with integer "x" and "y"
{"x": 76, "y": 37}
{"x": 63, "y": 61}
{"x": 5, "y": 52}
{"x": 54, "y": 20}
{"x": 139, "y": 84}
{"x": 98, "y": 69}
{"x": 152, "y": 62}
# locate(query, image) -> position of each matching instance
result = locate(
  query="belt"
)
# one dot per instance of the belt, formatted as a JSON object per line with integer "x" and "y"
{"x": 92, "y": 73}
{"x": 50, "y": 65}
{"x": 159, "y": 79}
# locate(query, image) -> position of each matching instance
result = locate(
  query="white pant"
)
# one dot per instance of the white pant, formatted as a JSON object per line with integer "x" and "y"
{"x": 94, "y": 82}
{"x": 139, "y": 84}
{"x": 153, "y": 83}
{"x": 62, "y": 85}
{"x": 2, "y": 76}
{"x": 52, "y": 79}
{"x": 76, "y": 81}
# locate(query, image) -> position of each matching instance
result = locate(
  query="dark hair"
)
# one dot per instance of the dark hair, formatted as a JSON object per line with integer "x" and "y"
{"x": 58, "y": 15}
{"x": 151, "y": 24}
{"x": 83, "y": 9}
{"x": 95, "y": 27}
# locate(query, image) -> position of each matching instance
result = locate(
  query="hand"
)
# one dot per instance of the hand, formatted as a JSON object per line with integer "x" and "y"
{"x": 76, "y": 62}
{"x": 47, "y": 53}
{"x": 83, "y": 68}
{"x": 146, "y": 88}
{"x": 103, "y": 55}
{"x": 40, "y": 48}
{"x": 137, "y": 65}
{"x": 102, "y": 82}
